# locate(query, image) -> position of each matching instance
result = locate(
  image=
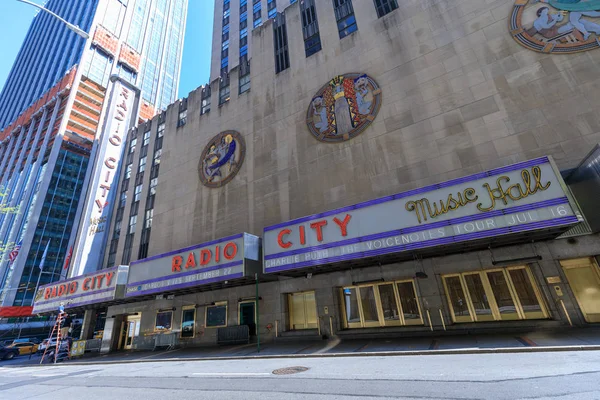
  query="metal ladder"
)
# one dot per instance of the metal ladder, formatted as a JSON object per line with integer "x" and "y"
{"x": 57, "y": 347}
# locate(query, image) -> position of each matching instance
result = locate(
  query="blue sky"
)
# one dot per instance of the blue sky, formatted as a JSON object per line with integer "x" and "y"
{"x": 16, "y": 17}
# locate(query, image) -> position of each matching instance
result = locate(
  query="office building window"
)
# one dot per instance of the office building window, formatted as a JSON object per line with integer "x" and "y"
{"x": 98, "y": 66}
{"x": 272, "y": 8}
{"x": 310, "y": 27}
{"x": 146, "y": 138}
{"x": 148, "y": 218}
{"x": 257, "y": 13}
{"x": 224, "y": 94}
{"x": 282, "y": 57}
{"x": 126, "y": 73}
{"x": 142, "y": 166}
{"x": 244, "y": 72}
{"x": 132, "y": 223}
{"x": 161, "y": 130}
{"x": 127, "y": 250}
{"x": 132, "y": 145}
{"x": 344, "y": 15}
{"x": 384, "y": 7}
{"x": 138, "y": 193}
{"x": 153, "y": 183}
{"x": 205, "y": 100}
{"x": 128, "y": 171}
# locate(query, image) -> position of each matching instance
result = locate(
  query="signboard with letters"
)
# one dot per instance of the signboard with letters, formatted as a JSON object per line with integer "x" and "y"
{"x": 97, "y": 287}
{"x": 527, "y": 196}
{"x": 216, "y": 261}
{"x": 121, "y": 113}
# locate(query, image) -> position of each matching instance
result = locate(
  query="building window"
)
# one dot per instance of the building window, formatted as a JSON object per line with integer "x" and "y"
{"x": 164, "y": 320}
{"x": 143, "y": 252}
{"x": 272, "y": 8}
{"x": 146, "y": 138}
{"x": 205, "y": 100}
{"x": 161, "y": 130}
{"x": 344, "y": 15}
{"x": 257, "y": 13}
{"x": 282, "y": 57}
{"x": 310, "y": 27}
{"x": 216, "y": 316}
{"x": 123, "y": 199}
{"x": 182, "y": 118}
{"x": 384, "y": 7}
{"x": 148, "y": 218}
{"x": 126, "y": 73}
{"x": 494, "y": 295}
{"x": 188, "y": 321}
{"x": 127, "y": 250}
{"x": 128, "y": 171}
{"x": 244, "y": 72}
{"x": 138, "y": 193}
{"x": 132, "y": 223}
{"x": 384, "y": 304}
{"x": 142, "y": 166}
{"x": 224, "y": 94}
{"x": 132, "y": 145}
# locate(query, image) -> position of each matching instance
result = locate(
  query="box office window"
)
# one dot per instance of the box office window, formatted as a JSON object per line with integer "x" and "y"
{"x": 494, "y": 295}
{"x": 188, "y": 322}
{"x": 216, "y": 316}
{"x": 384, "y": 304}
{"x": 164, "y": 320}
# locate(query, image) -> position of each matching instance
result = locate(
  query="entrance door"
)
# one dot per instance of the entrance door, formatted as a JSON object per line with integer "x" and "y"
{"x": 303, "y": 310}
{"x": 247, "y": 315}
{"x": 584, "y": 277}
{"x": 132, "y": 329}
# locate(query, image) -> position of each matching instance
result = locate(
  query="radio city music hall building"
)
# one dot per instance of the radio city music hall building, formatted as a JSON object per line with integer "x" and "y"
{"x": 384, "y": 168}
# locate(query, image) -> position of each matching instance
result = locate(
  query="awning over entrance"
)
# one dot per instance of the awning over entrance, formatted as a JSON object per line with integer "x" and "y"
{"x": 231, "y": 259}
{"x": 524, "y": 200}
{"x": 13, "y": 312}
{"x": 99, "y": 287}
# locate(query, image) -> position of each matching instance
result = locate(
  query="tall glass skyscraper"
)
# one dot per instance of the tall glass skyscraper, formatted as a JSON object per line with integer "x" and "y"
{"x": 51, "y": 113}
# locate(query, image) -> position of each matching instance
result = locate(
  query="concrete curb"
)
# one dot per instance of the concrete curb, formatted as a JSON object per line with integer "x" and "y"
{"x": 505, "y": 350}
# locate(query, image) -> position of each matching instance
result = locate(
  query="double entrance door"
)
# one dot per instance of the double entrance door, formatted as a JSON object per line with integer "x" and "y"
{"x": 583, "y": 275}
{"x": 303, "y": 310}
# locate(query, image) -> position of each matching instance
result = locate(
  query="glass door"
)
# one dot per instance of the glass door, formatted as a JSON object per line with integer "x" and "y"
{"x": 132, "y": 326}
{"x": 584, "y": 278}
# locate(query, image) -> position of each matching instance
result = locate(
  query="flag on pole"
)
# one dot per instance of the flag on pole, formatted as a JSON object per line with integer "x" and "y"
{"x": 14, "y": 253}
{"x": 43, "y": 260}
{"x": 68, "y": 259}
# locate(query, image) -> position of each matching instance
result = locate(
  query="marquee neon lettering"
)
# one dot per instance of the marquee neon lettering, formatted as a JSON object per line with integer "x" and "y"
{"x": 204, "y": 256}
{"x": 317, "y": 228}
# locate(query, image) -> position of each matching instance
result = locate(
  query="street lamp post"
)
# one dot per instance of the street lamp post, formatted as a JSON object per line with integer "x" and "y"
{"x": 69, "y": 25}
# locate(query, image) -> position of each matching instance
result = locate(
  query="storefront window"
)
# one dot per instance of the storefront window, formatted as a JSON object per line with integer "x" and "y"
{"x": 164, "y": 320}
{"x": 188, "y": 320}
{"x": 494, "y": 295}
{"x": 216, "y": 316}
{"x": 385, "y": 304}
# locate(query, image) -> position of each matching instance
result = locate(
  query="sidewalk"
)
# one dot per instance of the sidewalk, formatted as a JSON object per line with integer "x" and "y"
{"x": 568, "y": 340}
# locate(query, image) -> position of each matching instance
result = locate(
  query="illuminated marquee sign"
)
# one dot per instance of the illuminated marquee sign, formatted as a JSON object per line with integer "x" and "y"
{"x": 120, "y": 112}
{"x": 83, "y": 290}
{"x": 220, "y": 260}
{"x": 527, "y": 196}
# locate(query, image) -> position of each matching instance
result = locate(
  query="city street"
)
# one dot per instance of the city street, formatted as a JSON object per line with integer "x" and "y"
{"x": 549, "y": 375}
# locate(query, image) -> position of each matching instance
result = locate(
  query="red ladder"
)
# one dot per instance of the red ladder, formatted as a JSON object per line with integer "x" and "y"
{"x": 56, "y": 330}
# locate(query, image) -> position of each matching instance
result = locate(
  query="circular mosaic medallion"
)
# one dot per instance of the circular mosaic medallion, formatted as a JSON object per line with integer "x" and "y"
{"x": 221, "y": 159}
{"x": 556, "y": 26}
{"x": 344, "y": 107}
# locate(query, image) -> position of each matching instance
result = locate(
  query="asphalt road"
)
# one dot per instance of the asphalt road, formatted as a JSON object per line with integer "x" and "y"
{"x": 552, "y": 375}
